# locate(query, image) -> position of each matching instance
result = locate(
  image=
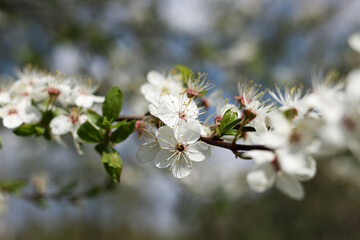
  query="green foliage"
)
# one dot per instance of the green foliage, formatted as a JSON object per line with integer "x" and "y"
{"x": 111, "y": 107}
{"x": 112, "y": 161}
{"x": 95, "y": 118}
{"x": 45, "y": 121}
{"x": 25, "y": 130}
{"x": 228, "y": 122}
{"x": 185, "y": 72}
{"x": 89, "y": 133}
{"x": 12, "y": 186}
{"x": 123, "y": 131}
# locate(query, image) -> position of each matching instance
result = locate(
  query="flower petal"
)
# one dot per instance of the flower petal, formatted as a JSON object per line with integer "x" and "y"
{"x": 290, "y": 186}
{"x": 298, "y": 164}
{"x": 61, "y": 125}
{"x": 188, "y": 132}
{"x": 166, "y": 138}
{"x": 199, "y": 151}
{"x": 156, "y": 78}
{"x": 148, "y": 151}
{"x": 12, "y": 121}
{"x": 260, "y": 156}
{"x": 164, "y": 158}
{"x": 181, "y": 168}
{"x": 261, "y": 178}
{"x": 30, "y": 114}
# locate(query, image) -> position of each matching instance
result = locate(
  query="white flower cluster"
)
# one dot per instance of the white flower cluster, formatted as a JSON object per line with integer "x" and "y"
{"x": 34, "y": 92}
{"x": 175, "y": 144}
{"x": 292, "y": 130}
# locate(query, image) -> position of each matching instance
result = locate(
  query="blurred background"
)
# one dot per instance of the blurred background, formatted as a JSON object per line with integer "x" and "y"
{"x": 116, "y": 43}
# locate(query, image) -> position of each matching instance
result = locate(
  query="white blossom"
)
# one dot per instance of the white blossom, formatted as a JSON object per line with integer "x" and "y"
{"x": 18, "y": 112}
{"x": 267, "y": 172}
{"x": 180, "y": 148}
{"x": 83, "y": 95}
{"x": 175, "y": 110}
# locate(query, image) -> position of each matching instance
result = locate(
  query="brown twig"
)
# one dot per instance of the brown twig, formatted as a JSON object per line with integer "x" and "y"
{"x": 211, "y": 140}
{"x": 230, "y": 146}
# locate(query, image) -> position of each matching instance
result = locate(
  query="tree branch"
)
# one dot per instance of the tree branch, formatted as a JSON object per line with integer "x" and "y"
{"x": 210, "y": 140}
{"x": 230, "y": 146}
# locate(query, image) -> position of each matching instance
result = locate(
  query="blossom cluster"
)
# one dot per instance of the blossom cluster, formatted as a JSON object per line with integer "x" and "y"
{"x": 293, "y": 127}
{"x": 50, "y": 103}
{"x": 175, "y": 144}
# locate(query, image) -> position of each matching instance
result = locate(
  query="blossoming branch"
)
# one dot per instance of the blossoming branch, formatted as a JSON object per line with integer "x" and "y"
{"x": 282, "y": 131}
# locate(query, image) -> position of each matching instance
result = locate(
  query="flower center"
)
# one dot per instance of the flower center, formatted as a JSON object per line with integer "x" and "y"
{"x": 74, "y": 117}
{"x": 140, "y": 126}
{"x": 180, "y": 147}
{"x": 217, "y": 120}
{"x": 241, "y": 100}
{"x": 192, "y": 93}
{"x": 53, "y": 92}
{"x": 182, "y": 115}
{"x": 294, "y": 137}
{"x": 12, "y": 111}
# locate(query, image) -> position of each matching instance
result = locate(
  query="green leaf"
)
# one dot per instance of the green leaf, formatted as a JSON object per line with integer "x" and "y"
{"x": 185, "y": 72}
{"x": 12, "y": 186}
{"x": 112, "y": 161}
{"x": 123, "y": 131}
{"x": 100, "y": 148}
{"x": 113, "y": 164}
{"x": 25, "y": 129}
{"x": 89, "y": 133}
{"x": 95, "y": 118}
{"x": 228, "y": 130}
{"x": 111, "y": 107}
{"x": 0, "y": 141}
{"x": 47, "y": 134}
{"x": 39, "y": 130}
{"x": 47, "y": 117}
{"x": 106, "y": 123}
{"x": 228, "y": 119}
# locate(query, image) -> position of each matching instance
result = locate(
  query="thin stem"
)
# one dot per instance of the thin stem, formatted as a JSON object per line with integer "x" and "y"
{"x": 230, "y": 146}
{"x": 211, "y": 140}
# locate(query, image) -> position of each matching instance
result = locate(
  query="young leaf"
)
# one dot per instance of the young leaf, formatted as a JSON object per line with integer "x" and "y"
{"x": 185, "y": 72}
{"x": 111, "y": 107}
{"x": 111, "y": 159}
{"x": 115, "y": 173}
{"x": 89, "y": 133}
{"x": 39, "y": 130}
{"x": 123, "y": 131}
{"x": 228, "y": 118}
{"x": 228, "y": 130}
{"x": 25, "y": 130}
{"x": 94, "y": 117}
{"x": 113, "y": 164}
